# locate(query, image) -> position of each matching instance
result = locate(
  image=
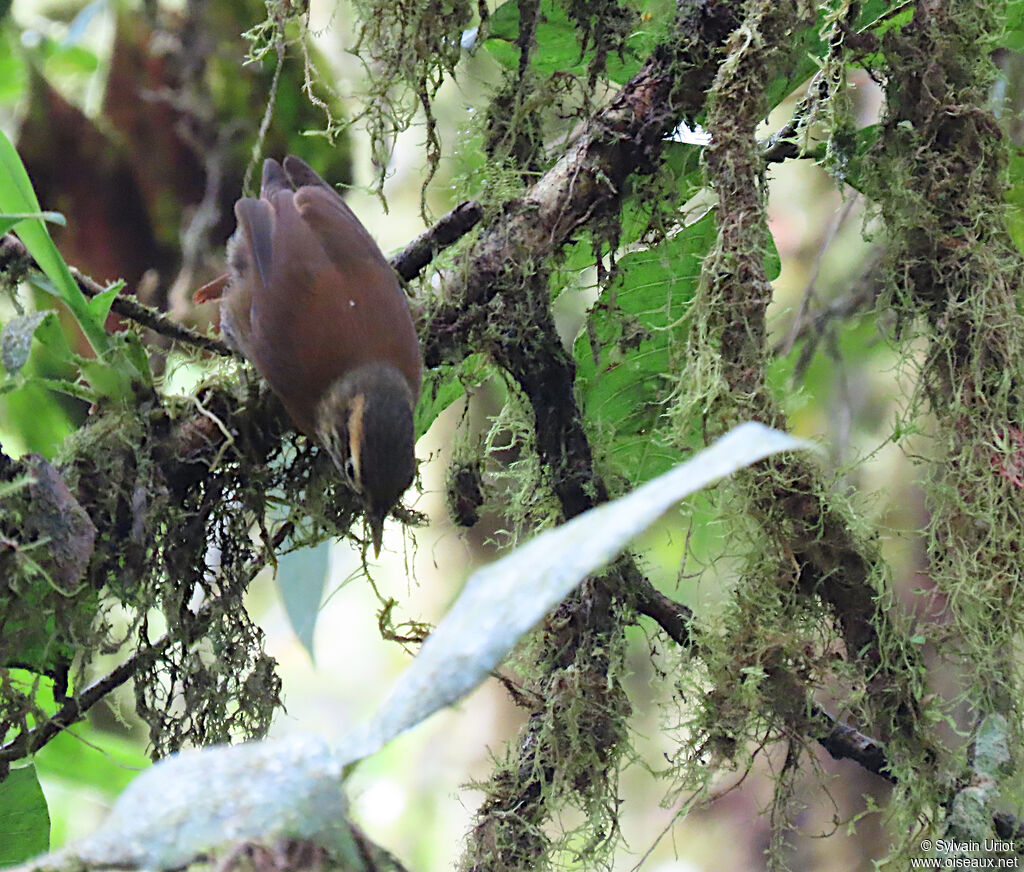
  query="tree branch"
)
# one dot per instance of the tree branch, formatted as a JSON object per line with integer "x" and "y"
{"x": 448, "y": 230}
{"x": 586, "y": 184}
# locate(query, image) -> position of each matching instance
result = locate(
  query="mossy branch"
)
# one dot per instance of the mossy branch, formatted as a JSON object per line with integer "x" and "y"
{"x": 955, "y": 275}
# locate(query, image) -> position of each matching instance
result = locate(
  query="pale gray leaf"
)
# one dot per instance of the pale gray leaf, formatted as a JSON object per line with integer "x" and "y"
{"x": 197, "y": 801}
{"x": 502, "y": 601}
{"x": 301, "y": 576}
{"x": 16, "y": 340}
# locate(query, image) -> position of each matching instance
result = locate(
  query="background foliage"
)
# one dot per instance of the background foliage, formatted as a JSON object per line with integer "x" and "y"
{"x": 684, "y": 215}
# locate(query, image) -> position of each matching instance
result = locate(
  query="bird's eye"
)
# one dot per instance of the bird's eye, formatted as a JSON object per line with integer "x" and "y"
{"x": 350, "y": 473}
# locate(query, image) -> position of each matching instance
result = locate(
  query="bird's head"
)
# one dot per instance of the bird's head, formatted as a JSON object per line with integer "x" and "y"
{"x": 365, "y": 423}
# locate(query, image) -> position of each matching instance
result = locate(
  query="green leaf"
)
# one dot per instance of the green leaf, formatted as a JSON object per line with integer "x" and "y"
{"x": 135, "y": 355}
{"x": 24, "y": 819}
{"x": 60, "y": 386}
{"x": 772, "y": 261}
{"x": 67, "y": 60}
{"x": 805, "y": 48}
{"x": 1013, "y": 35}
{"x": 106, "y": 379}
{"x": 301, "y": 578}
{"x": 17, "y": 196}
{"x": 34, "y": 415}
{"x": 16, "y": 339}
{"x": 879, "y": 16}
{"x": 100, "y": 305}
{"x": 9, "y": 220}
{"x": 90, "y": 757}
{"x": 50, "y": 334}
{"x": 624, "y": 371}
{"x": 558, "y": 47}
{"x": 682, "y": 176}
{"x": 443, "y": 386}
{"x": 125, "y": 363}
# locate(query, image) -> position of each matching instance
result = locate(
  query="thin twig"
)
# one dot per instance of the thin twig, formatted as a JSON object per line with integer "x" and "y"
{"x": 848, "y": 743}
{"x": 811, "y": 326}
{"x": 14, "y": 257}
{"x": 154, "y": 319}
{"x": 408, "y": 263}
{"x": 417, "y": 254}
{"x": 841, "y": 741}
{"x": 674, "y": 618}
{"x": 810, "y": 292}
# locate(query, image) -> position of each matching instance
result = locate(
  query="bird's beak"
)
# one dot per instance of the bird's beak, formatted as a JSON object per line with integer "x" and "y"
{"x": 376, "y": 523}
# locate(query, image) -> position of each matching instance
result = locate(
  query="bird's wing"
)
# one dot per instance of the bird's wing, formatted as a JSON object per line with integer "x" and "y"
{"x": 249, "y": 257}
{"x": 274, "y": 179}
{"x": 325, "y": 211}
{"x": 301, "y": 174}
{"x": 342, "y": 236}
{"x": 256, "y": 225}
{"x": 327, "y": 301}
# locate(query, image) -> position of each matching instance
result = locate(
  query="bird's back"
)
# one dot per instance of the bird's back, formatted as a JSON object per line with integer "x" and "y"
{"x": 317, "y": 297}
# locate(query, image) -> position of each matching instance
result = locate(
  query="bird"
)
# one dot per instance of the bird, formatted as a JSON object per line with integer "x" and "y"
{"x": 312, "y": 303}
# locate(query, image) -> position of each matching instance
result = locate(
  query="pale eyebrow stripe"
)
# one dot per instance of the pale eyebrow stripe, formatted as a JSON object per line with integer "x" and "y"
{"x": 355, "y": 432}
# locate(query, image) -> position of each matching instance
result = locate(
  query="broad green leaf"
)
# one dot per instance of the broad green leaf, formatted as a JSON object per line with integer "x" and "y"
{"x": 1013, "y": 34}
{"x": 31, "y": 412}
{"x": 878, "y": 17}
{"x": 33, "y": 416}
{"x": 624, "y": 371}
{"x": 683, "y": 177}
{"x": 65, "y": 60}
{"x": 443, "y": 386}
{"x": 805, "y": 49}
{"x": 24, "y": 820}
{"x": 92, "y": 758}
{"x": 50, "y": 334}
{"x": 75, "y": 389}
{"x": 105, "y": 379}
{"x": 135, "y": 354}
{"x": 301, "y": 578}
{"x": 558, "y": 46}
{"x": 125, "y": 361}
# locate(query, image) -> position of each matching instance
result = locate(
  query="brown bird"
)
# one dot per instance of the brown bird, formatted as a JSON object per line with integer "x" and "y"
{"x": 313, "y": 304}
